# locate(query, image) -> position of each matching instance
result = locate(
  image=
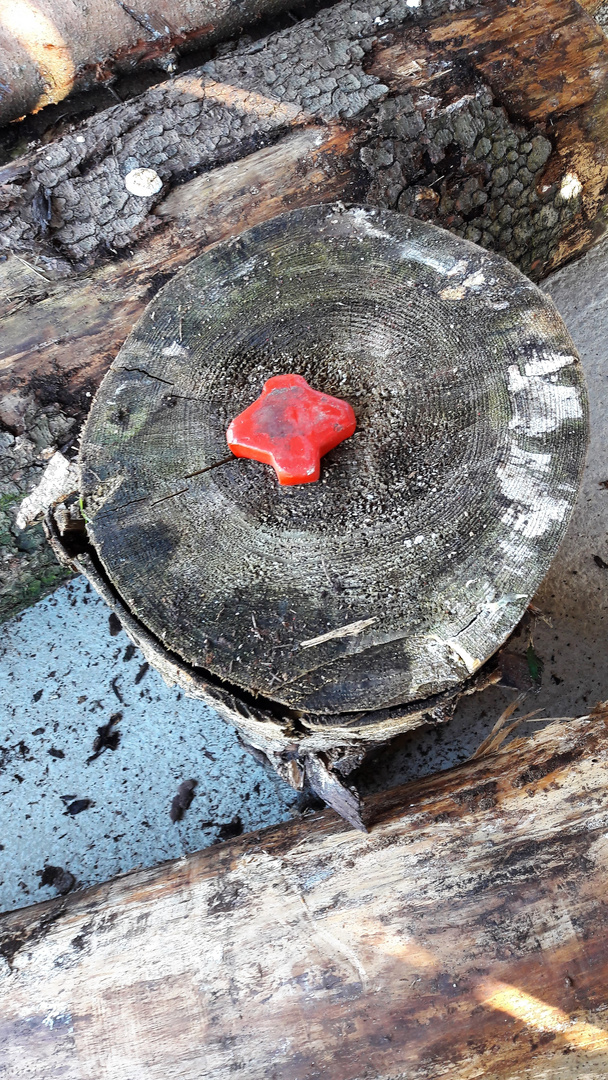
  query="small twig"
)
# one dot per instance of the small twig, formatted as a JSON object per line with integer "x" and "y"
{"x": 350, "y": 630}
{"x": 112, "y": 91}
{"x": 502, "y": 729}
{"x": 208, "y": 468}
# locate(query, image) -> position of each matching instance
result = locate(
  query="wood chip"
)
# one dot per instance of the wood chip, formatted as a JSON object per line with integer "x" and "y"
{"x": 59, "y": 479}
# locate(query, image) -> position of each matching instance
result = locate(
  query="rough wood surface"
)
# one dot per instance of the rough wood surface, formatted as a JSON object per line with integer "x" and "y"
{"x": 464, "y": 937}
{"x": 47, "y": 382}
{"x": 438, "y": 95}
{"x": 418, "y": 120}
{"x": 415, "y": 555}
{"x": 52, "y": 48}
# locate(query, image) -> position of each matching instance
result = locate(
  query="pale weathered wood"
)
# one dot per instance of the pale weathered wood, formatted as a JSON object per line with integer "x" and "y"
{"x": 431, "y": 527}
{"x": 50, "y": 49}
{"x": 464, "y": 937}
{"x": 415, "y": 111}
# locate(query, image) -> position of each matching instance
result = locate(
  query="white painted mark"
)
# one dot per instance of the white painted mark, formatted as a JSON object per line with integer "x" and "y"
{"x": 533, "y": 510}
{"x": 526, "y": 459}
{"x": 543, "y": 406}
{"x": 545, "y": 365}
{"x": 421, "y": 255}
{"x": 245, "y": 270}
{"x": 519, "y": 553}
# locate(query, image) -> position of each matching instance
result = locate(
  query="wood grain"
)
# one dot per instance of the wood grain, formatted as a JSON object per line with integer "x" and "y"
{"x": 464, "y": 936}
{"x": 431, "y": 527}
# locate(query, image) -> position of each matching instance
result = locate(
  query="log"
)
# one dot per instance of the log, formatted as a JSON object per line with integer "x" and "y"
{"x": 408, "y": 116}
{"x": 464, "y": 936}
{"x": 400, "y": 571}
{"x": 49, "y": 51}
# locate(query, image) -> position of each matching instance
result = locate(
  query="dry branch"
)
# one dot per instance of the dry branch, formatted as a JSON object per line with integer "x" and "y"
{"x": 464, "y": 936}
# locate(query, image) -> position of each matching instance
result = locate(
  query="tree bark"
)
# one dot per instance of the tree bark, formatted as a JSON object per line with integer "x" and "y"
{"x": 418, "y": 109}
{"x": 464, "y": 936}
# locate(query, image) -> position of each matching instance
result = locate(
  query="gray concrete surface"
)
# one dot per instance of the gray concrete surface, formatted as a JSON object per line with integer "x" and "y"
{"x": 62, "y": 675}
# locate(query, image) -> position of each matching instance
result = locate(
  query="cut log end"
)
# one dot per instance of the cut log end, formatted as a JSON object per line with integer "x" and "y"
{"x": 396, "y": 576}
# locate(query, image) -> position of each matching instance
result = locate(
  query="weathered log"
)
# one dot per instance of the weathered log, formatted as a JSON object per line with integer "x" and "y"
{"x": 454, "y": 96}
{"x": 53, "y": 48}
{"x": 464, "y": 936}
{"x": 407, "y": 565}
{"x": 417, "y": 120}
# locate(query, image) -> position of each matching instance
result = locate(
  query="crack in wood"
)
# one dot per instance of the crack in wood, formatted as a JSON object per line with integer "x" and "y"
{"x": 149, "y": 375}
{"x": 174, "y": 494}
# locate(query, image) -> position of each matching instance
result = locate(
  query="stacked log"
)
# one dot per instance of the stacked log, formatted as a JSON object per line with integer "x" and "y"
{"x": 490, "y": 121}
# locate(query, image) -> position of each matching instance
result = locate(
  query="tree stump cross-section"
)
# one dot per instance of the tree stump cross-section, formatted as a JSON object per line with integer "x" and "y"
{"x": 397, "y": 575}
